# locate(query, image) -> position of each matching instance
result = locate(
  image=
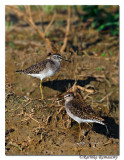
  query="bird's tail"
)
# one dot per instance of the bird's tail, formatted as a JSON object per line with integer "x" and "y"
{"x": 100, "y": 122}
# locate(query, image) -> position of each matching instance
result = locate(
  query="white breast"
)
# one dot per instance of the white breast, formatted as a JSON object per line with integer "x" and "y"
{"x": 42, "y": 74}
{"x": 47, "y": 74}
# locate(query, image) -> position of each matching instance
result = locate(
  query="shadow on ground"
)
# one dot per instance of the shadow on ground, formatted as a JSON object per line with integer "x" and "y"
{"x": 113, "y": 128}
{"x": 62, "y": 85}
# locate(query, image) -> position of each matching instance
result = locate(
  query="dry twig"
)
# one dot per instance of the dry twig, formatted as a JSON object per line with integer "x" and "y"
{"x": 30, "y": 116}
{"x": 109, "y": 94}
{"x": 31, "y": 22}
{"x": 50, "y": 23}
{"x": 28, "y": 19}
{"x": 15, "y": 145}
{"x": 67, "y": 30}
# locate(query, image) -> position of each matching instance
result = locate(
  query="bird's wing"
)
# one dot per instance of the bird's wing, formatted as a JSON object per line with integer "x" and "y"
{"x": 36, "y": 68}
{"x": 83, "y": 110}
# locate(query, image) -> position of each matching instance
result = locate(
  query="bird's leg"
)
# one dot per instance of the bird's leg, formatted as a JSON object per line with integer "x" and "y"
{"x": 79, "y": 131}
{"x": 86, "y": 131}
{"x": 29, "y": 77}
{"x": 89, "y": 125}
{"x": 41, "y": 90}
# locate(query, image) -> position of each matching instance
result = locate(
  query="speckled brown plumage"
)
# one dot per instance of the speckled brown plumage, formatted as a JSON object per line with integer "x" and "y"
{"x": 44, "y": 69}
{"x": 82, "y": 110}
{"x": 38, "y": 67}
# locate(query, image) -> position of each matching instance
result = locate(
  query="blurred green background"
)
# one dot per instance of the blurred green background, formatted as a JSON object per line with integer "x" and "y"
{"x": 104, "y": 17}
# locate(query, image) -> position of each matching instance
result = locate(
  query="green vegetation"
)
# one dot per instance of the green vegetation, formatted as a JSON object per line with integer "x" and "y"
{"x": 103, "y": 19}
{"x": 95, "y": 49}
{"x": 54, "y": 38}
{"x": 8, "y": 24}
{"x": 22, "y": 89}
{"x": 12, "y": 45}
{"x": 99, "y": 68}
{"x": 110, "y": 54}
{"x": 103, "y": 55}
{"x": 50, "y": 9}
{"x": 38, "y": 52}
{"x": 47, "y": 34}
{"x": 47, "y": 8}
{"x": 85, "y": 53}
{"x": 21, "y": 7}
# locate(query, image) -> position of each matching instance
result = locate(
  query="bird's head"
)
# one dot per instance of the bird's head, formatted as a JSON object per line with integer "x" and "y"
{"x": 57, "y": 57}
{"x": 69, "y": 96}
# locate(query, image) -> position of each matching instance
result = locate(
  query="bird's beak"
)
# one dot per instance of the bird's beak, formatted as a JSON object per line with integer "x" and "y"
{"x": 65, "y": 60}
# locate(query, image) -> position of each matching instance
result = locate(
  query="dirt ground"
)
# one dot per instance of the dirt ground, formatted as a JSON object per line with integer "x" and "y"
{"x": 42, "y": 127}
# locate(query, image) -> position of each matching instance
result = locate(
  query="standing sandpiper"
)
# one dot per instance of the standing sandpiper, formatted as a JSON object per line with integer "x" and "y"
{"x": 44, "y": 69}
{"x": 80, "y": 111}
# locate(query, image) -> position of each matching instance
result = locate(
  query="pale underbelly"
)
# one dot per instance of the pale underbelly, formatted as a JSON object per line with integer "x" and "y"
{"x": 80, "y": 120}
{"x": 43, "y": 75}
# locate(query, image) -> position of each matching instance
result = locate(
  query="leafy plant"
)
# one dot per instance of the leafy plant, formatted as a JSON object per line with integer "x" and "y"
{"x": 110, "y": 53}
{"x": 95, "y": 49}
{"x": 12, "y": 45}
{"x": 102, "y": 18}
{"x": 50, "y": 8}
{"x": 54, "y": 38}
{"x": 103, "y": 55}
{"x": 21, "y": 89}
{"x": 38, "y": 52}
{"x": 8, "y": 24}
{"x": 99, "y": 68}
{"x": 47, "y": 34}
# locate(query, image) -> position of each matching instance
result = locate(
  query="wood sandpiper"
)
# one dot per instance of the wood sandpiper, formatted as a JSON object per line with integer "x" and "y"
{"x": 80, "y": 111}
{"x": 44, "y": 69}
